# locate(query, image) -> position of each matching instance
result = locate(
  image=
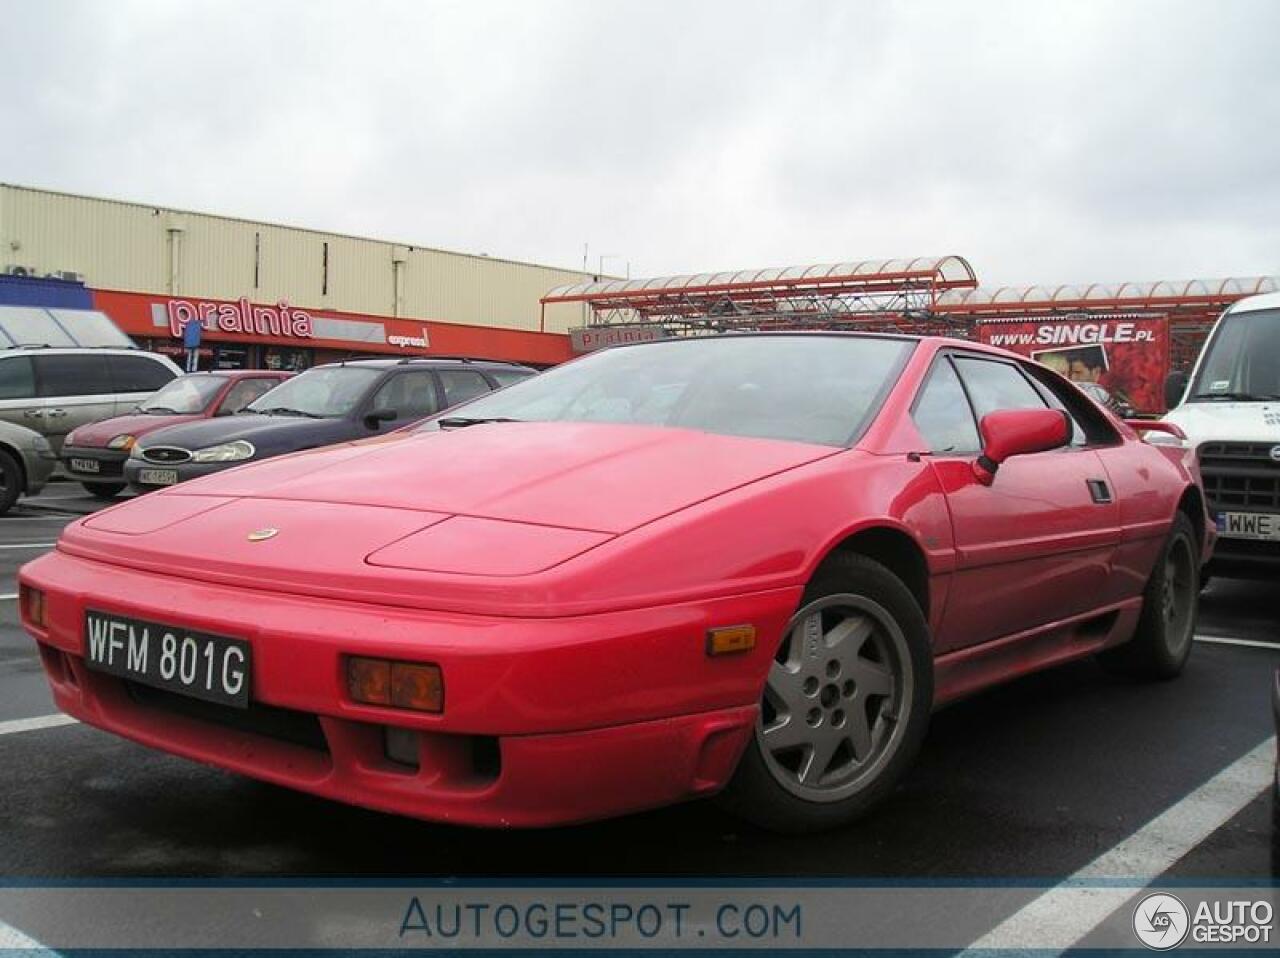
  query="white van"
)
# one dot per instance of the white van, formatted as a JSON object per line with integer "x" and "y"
{"x": 1229, "y": 408}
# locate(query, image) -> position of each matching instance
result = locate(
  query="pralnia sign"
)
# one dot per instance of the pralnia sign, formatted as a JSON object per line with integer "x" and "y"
{"x": 241, "y": 316}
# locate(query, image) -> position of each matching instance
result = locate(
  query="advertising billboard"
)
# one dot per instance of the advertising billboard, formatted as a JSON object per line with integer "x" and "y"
{"x": 1127, "y": 356}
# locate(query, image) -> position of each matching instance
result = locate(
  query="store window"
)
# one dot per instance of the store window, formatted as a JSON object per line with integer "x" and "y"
{"x": 286, "y": 359}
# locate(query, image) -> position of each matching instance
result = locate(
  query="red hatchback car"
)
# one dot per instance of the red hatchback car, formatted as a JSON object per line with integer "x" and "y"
{"x": 747, "y": 564}
{"x": 95, "y": 454}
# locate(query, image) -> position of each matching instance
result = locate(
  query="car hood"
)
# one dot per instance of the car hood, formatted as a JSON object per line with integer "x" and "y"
{"x": 271, "y": 435}
{"x": 98, "y": 434}
{"x": 1228, "y": 421}
{"x": 362, "y": 520}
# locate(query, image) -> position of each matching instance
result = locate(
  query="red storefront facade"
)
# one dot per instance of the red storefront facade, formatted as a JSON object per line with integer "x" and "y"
{"x": 242, "y": 334}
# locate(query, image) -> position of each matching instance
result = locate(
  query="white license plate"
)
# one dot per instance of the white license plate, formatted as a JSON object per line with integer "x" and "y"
{"x": 1249, "y": 525}
{"x": 157, "y": 477}
{"x": 85, "y": 465}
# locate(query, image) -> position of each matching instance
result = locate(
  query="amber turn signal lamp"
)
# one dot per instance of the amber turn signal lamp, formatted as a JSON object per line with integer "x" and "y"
{"x": 731, "y": 639}
{"x": 33, "y": 605}
{"x": 402, "y": 685}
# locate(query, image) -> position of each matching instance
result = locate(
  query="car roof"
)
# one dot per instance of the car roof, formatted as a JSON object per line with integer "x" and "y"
{"x": 40, "y": 350}
{"x": 933, "y": 343}
{"x": 378, "y": 362}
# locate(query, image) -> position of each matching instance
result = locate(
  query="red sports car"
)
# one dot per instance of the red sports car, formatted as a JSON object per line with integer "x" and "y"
{"x": 746, "y": 564}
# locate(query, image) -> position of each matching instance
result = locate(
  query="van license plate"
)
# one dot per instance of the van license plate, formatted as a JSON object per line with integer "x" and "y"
{"x": 1249, "y": 525}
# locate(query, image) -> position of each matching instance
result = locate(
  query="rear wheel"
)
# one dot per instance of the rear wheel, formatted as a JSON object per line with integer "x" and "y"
{"x": 104, "y": 490}
{"x": 845, "y": 706}
{"x": 1162, "y": 641}
{"x": 11, "y": 478}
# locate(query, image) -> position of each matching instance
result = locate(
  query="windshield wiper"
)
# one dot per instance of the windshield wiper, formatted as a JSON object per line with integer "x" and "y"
{"x": 458, "y": 422}
{"x": 1238, "y": 396}
{"x": 287, "y": 411}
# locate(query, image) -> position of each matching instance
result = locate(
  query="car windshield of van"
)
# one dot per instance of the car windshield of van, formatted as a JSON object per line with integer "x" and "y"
{"x": 805, "y": 388}
{"x": 1242, "y": 360}
{"x": 185, "y": 395}
{"x": 325, "y": 392}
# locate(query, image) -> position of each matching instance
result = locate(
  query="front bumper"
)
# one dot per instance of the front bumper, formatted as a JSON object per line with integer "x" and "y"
{"x": 110, "y": 463}
{"x": 185, "y": 470}
{"x": 546, "y": 721}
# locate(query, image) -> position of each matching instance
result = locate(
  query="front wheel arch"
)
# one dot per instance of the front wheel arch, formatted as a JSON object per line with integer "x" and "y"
{"x": 894, "y": 549}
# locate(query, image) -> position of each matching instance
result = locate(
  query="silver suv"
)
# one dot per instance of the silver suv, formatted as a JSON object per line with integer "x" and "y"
{"x": 55, "y": 389}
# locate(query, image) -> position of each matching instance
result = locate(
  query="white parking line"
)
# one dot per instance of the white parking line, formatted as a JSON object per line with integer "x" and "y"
{"x": 11, "y": 938}
{"x": 29, "y": 545}
{"x": 1247, "y": 643}
{"x": 14, "y": 726}
{"x": 1066, "y": 913}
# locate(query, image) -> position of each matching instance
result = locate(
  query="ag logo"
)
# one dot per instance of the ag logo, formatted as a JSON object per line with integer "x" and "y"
{"x": 1161, "y": 921}
{"x": 1275, "y": 453}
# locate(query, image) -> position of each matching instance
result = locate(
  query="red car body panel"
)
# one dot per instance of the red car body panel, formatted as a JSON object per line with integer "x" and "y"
{"x": 96, "y": 435}
{"x": 564, "y": 575}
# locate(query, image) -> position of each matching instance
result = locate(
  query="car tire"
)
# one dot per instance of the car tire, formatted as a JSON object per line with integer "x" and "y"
{"x": 1170, "y": 603}
{"x": 11, "y": 477}
{"x": 104, "y": 490}
{"x": 851, "y": 690}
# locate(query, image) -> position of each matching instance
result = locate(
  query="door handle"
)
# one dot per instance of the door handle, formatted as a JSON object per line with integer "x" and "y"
{"x": 33, "y": 413}
{"x": 55, "y": 413}
{"x": 1099, "y": 490}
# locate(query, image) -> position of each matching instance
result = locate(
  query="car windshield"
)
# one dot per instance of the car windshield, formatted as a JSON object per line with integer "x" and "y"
{"x": 324, "y": 392}
{"x": 186, "y": 394}
{"x": 1242, "y": 360}
{"x": 806, "y": 388}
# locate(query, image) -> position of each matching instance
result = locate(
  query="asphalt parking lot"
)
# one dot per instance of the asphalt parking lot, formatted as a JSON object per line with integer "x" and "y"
{"x": 1035, "y": 780}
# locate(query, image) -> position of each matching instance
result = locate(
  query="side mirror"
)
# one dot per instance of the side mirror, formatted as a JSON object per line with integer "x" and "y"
{"x": 1175, "y": 384}
{"x": 1018, "y": 432}
{"x": 374, "y": 419}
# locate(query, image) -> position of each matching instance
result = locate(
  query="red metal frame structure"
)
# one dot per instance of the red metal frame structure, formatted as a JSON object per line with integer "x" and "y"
{"x": 872, "y": 292}
{"x": 1190, "y": 306}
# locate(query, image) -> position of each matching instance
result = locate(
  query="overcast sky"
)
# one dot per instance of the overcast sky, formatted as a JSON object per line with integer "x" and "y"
{"x": 1064, "y": 141}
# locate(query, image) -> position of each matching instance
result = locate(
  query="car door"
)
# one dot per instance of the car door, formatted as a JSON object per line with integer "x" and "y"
{"x": 77, "y": 390}
{"x": 19, "y": 402}
{"x": 1035, "y": 545}
{"x": 408, "y": 395}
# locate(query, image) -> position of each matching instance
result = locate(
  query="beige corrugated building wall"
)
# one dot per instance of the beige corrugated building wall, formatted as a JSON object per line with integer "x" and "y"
{"x": 135, "y": 247}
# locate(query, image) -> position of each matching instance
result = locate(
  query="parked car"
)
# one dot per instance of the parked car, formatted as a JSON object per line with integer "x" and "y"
{"x": 95, "y": 454}
{"x": 56, "y": 390}
{"x": 749, "y": 563}
{"x": 27, "y": 460}
{"x": 324, "y": 405}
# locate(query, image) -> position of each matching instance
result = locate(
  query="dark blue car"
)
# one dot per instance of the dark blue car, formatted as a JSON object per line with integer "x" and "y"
{"x": 338, "y": 402}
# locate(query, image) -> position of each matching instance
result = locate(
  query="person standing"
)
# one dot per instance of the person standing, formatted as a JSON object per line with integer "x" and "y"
{"x": 191, "y": 333}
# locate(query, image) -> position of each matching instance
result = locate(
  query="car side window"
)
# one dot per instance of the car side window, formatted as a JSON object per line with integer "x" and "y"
{"x": 943, "y": 415}
{"x": 243, "y": 393}
{"x": 17, "y": 378}
{"x": 1089, "y": 424}
{"x": 993, "y": 385}
{"x": 461, "y": 385}
{"x": 508, "y": 377}
{"x": 138, "y": 374}
{"x": 73, "y": 374}
{"x": 410, "y": 395}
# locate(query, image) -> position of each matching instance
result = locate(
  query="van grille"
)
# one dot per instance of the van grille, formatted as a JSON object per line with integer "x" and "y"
{"x": 1240, "y": 476}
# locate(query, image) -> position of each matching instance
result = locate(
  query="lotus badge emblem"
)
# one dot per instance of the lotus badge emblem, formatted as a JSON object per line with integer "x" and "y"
{"x": 258, "y": 535}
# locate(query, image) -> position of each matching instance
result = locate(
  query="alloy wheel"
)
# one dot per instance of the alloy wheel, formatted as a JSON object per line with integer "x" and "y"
{"x": 836, "y": 696}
